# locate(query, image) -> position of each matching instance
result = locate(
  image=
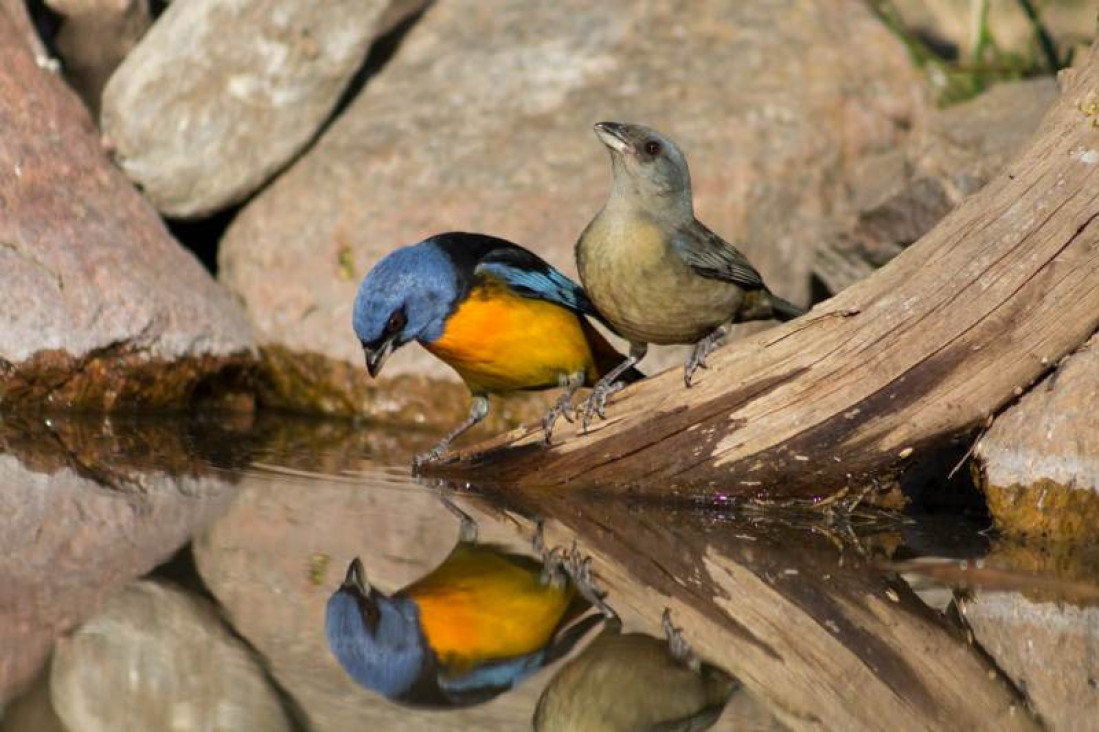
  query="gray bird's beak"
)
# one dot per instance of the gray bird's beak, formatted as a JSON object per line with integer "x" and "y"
{"x": 375, "y": 358}
{"x": 356, "y": 578}
{"x": 613, "y": 135}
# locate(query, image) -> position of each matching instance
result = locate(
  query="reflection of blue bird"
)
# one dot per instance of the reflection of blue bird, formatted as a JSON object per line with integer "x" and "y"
{"x": 475, "y": 626}
{"x": 499, "y": 315}
{"x": 632, "y": 681}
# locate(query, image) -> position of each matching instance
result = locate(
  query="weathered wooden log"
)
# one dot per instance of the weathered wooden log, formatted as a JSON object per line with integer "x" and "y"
{"x": 825, "y": 640}
{"x": 921, "y": 351}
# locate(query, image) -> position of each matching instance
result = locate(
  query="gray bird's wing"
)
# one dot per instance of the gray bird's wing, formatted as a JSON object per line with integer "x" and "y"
{"x": 713, "y": 257}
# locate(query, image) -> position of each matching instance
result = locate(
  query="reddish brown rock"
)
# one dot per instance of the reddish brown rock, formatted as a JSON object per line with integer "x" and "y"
{"x": 101, "y": 307}
{"x": 1039, "y": 462}
{"x": 482, "y": 121}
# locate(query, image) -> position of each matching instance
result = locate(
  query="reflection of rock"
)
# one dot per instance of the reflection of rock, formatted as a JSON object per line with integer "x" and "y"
{"x": 94, "y": 37}
{"x": 33, "y": 711}
{"x": 1049, "y": 649}
{"x": 482, "y": 121}
{"x": 902, "y": 194}
{"x": 1039, "y": 462}
{"x": 156, "y": 658}
{"x": 275, "y": 558}
{"x": 218, "y": 96}
{"x": 84, "y": 512}
{"x": 100, "y": 307}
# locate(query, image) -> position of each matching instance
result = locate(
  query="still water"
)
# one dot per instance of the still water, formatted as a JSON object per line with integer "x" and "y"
{"x": 201, "y": 573}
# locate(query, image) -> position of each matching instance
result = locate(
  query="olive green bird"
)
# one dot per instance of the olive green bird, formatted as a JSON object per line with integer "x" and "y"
{"x": 632, "y": 681}
{"x": 653, "y": 270}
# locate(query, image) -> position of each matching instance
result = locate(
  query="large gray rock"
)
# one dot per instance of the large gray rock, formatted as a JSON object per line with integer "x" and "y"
{"x": 220, "y": 95}
{"x": 1049, "y": 649}
{"x": 482, "y": 121}
{"x": 156, "y": 658}
{"x": 1039, "y": 461}
{"x": 100, "y": 306}
{"x": 85, "y": 509}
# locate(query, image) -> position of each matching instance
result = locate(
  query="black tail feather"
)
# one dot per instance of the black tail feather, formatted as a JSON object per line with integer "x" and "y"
{"x": 784, "y": 309}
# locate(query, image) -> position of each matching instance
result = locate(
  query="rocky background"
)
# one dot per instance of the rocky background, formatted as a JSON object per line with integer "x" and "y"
{"x": 190, "y": 192}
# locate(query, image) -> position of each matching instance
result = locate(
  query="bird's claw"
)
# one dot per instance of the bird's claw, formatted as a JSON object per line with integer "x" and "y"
{"x": 578, "y": 568}
{"x": 434, "y": 455}
{"x": 596, "y": 403}
{"x": 562, "y": 408}
{"x": 677, "y": 645}
{"x": 697, "y": 360}
{"x": 554, "y": 573}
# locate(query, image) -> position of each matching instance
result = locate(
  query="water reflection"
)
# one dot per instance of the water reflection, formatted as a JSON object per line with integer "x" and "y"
{"x": 87, "y": 506}
{"x": 477, "y": 625}
{"x": 634, "y": 681}
{"x": 816, "y": 616}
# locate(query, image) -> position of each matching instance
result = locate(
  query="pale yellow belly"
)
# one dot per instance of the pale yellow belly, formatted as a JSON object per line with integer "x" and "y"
{"x": 646, "y": 291}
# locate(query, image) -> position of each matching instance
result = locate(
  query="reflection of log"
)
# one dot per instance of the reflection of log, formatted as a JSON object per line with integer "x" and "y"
{"x": 824, "y": 639}
{"x": 923, "y": 349}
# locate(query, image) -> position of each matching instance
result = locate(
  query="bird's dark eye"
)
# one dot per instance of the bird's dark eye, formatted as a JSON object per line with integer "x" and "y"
{"x": 652, "y": 147}
{"x": 396, "y": 322}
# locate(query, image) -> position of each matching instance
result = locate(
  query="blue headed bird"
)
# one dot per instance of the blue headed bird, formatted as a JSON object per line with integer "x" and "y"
{"x": 474, "y": 627}
{"x": 498, "y": 314}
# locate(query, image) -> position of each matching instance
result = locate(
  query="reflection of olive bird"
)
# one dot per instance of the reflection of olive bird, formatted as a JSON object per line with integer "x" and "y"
{"x": 477, "y": 625}
{"x": 503, "y": 318}
{"x": 633, "y": 681}
{"x": 656, "y": 272}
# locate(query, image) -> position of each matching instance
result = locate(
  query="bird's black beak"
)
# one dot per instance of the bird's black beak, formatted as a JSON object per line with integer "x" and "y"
{"x": 375, "y": 357}
{"x": 355, "y": 580}
{"x": 615, "y": 136}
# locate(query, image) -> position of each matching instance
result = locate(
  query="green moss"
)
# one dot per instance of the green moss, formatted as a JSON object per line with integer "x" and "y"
{"x": 956, "y": 79}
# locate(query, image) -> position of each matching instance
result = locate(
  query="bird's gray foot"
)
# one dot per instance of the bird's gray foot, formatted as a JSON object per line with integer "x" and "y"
{"x": 700, "y": 353}
{"x": 553, "y": 560}
{"x": 434, "y": 455}
{"x": 562, "y": 407}
{"x": 596, "y": 403}
{"x": 478, "y": 410}
{"x": 677, "y": 645}
{"x": 578, "y": 567}
{"x": 467, "y": 530}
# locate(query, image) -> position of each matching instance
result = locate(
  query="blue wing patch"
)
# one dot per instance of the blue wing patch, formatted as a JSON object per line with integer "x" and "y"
{"x": 544, "y": 283}
{"x": 501, "y": 675}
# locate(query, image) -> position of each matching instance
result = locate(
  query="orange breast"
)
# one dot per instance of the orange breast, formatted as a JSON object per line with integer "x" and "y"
{"x": 480, "y": 604}
{"x": 498, "y": 342}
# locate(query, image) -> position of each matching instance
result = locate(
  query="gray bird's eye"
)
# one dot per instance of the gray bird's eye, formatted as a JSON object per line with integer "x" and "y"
{"x": 652, "y": 147}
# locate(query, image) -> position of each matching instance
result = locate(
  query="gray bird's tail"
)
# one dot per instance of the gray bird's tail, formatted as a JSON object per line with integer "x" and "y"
{"x": 784, "y": 309}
